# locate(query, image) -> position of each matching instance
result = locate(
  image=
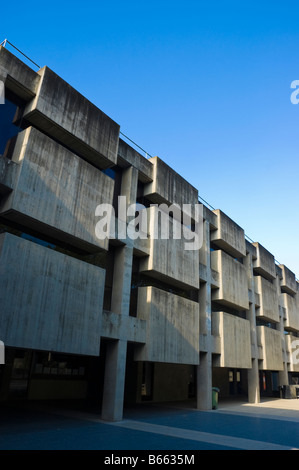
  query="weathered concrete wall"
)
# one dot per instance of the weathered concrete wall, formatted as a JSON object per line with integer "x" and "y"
{"x": 292, "y": 312}
{"x": 288, "y": 282}
{"x": 172, "y": 330}
{"x": 168, "y": 186}
{"x": 56, "y": 191}
{"x": 264, "y": 264}
{"x": 233, "y": 283}
{"x": 268, "y": 299}
{"x": 62, "y": 112}
{"x": 271, "y": 343}
{"x": 235, "y": 344}
{"x": 229, "y": 236}
{"x": 169, "y": 260}
{"x": 48, "y": 301}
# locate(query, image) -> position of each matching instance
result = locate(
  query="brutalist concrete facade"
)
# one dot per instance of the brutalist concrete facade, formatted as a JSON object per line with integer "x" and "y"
{"x": 123, "y": 320}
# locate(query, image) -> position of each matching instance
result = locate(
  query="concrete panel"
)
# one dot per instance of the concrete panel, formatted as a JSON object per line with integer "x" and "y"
{"x": 172, "y": 332}
{"x": 235, "y": 344}
{"x": 169, "y": 261}
{"x": 288, "y": 282}
{"x": 233, "y": 283}
{"x": 56, "y": 191}
{"x": 271, "y": 344}
{"x": 63, "y": 113}
{"x": 229, "y": 236}
{"x": 128, "y": 156}
{"x": 20, "y": 78}
{"x": 48, "y": 301}
{"x": 268, "y": 299}
{"x": 264, "y": 264}
{"x": 292, "y": 312}
{"x": 168, "y": 186}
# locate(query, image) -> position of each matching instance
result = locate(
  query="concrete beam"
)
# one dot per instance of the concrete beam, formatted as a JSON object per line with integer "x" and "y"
{"x": 63, "y": 113}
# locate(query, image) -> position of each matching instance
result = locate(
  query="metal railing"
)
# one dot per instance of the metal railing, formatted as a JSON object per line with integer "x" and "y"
{"x": 6, "y": 41}
{"x": 147, "y": 155}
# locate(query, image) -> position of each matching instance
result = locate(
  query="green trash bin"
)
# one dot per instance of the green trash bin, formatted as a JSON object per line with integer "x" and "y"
{"x": 215, "y": 392}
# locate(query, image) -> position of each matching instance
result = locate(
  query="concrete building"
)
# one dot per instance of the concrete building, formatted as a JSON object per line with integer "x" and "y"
{"x": 118, "y": 320}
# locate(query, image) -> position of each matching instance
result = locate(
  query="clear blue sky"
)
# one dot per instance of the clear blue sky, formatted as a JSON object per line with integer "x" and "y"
{"x": 203, "y": 85}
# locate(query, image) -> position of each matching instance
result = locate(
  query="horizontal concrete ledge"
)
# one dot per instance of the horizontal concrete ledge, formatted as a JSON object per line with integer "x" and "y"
{"x": 168, "y": 280}
{"x": 123, "y": 327}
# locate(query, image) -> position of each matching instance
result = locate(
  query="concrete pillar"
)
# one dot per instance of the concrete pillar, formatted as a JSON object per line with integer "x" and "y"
{"x": 253, "y": 383}
{"x": 204, "y": 369}
{"x": 122, "y": 274}
{"x": 253, "y": 373}
{"x": 204, "y": 382}
{"x": 283, "y": 378}
{"x": 114, "y": 381}
{"x": 116, "y": 351}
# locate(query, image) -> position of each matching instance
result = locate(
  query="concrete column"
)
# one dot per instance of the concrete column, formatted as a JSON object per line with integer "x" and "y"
{"x": 204, "y": 369}
{"x": 283, "y": 378}
{"x": 253, "y": 383}
{"x": 253, "y": 373}
{"x": 116, "y": 351}
{"x": 122, "y": 274}
{"x": 114, "y": 381}
{"x": 204, "y": 382}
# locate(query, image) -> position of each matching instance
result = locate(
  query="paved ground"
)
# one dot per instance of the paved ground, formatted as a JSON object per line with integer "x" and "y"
{"x": 271, "y": 425}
